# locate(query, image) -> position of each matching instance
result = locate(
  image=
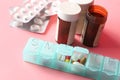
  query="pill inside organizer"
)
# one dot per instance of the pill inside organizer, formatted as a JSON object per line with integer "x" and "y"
{"x": 78, "y": 57}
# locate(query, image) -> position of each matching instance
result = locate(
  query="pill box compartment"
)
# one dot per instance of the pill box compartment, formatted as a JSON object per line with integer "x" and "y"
{"x": 93, "y": 66}
{"x": 62, "y": 57}
{"x": 78, "y": 61}
{"x": 31, "y": 52}
{"x": 47, "y": 54}
{"x": 110, "y": 68}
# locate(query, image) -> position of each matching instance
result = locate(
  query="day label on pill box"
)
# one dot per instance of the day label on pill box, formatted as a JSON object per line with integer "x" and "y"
{"x": 33, "y": 46}
{"x": 48, "y": 49}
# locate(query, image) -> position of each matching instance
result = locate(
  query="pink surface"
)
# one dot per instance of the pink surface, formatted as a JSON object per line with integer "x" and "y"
{"x": 12, "y": 42}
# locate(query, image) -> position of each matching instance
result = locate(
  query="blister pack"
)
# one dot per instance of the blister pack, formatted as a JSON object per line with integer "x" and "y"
{"x": 33, "y": 15}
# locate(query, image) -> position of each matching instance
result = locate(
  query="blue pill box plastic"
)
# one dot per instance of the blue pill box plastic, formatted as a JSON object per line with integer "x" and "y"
{"x": 75, "y": 60}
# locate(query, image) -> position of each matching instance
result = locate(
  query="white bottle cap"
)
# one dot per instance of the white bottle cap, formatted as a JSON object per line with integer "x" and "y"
{"x": 69, "y": 11}
{"x": 84, "y": 4}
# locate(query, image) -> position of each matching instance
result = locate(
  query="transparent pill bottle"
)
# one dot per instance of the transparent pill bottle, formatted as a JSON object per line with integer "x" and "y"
{"x": 84, "y": 4}
{"x": 67, "y": 17}
{"x": 95, "y": 21}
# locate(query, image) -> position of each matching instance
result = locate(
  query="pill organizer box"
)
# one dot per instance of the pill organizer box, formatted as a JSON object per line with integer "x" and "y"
{"x": 33, "y": 15}
{"x": 75, "y": 60}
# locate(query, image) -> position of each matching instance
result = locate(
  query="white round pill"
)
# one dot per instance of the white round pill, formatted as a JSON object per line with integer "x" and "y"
{"x": 12, "y": 10}
{"x": 77, "y": 63}
{"x": 17, "y": 16}
{"x": 41, "y": 4}
{"x": 31, "y": 13}
{"x": 35, "y": 28}
{"x": 23, "y": 11}
{"x": 34, "y": 2}
{"x": 26, "y": 18}
{"x": 28, "y": 6}
{"x": 36, "y": 8}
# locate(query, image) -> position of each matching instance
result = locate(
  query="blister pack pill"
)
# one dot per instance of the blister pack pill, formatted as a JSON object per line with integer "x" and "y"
{"x": 34, "y": 15}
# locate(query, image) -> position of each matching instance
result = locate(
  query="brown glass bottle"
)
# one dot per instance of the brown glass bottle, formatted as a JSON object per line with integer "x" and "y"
{"x": 68, "y": 15}
{"x": 95, "y": 20}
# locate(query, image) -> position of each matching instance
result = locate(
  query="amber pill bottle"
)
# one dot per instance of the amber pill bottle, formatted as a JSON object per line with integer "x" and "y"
{"x": 67, "y": 17}
{"x": 95, "y": 18}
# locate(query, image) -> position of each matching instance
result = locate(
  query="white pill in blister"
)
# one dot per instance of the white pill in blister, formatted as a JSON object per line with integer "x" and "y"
{"x": 36, "y": 8}
{"x": 31, "y": 13}
{"x": 23, "y": 11}
{"x": 13, "y": 10}
{"x": 24, "y": 1}
{"x": 41, "y": 4}
{"x": 26, "y": 18}
{"x": 15, "y": 23}
{"x": 46, "y": 0}
{"x": 35, "y": 27}
{"x": 28, "y": 6}
{"x": 17, "y": 16}
{"x": 34, "y": 2}
{"x": 38, "y": 21}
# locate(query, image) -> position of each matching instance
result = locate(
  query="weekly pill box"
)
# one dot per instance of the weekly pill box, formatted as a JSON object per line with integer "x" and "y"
{"x": 76, "y": 60}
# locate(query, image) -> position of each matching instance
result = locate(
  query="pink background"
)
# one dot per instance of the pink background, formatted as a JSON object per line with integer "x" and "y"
{"x": 13, "y": 40}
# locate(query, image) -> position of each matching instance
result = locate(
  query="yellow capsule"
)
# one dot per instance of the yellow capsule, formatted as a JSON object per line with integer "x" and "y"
{"x": 83, "y": 60}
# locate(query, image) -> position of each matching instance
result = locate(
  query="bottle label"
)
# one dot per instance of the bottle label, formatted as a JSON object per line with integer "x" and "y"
{"x": 63, "y": 29}
{"x": 71, "y": 33}
{"x": 84, "y": 30}
{"x": 98, "y": 35}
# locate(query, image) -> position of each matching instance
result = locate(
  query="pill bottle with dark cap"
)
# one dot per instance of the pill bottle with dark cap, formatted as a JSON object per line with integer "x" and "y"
{"x": 84, "y": 4}
{"x": 96, "y": 18}
{"x": 68, "y": 14}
